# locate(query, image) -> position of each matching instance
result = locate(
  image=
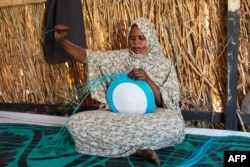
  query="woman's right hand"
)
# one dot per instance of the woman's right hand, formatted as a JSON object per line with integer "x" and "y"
{"x": 61, "y": 32}
{"x": 77, "y": 52}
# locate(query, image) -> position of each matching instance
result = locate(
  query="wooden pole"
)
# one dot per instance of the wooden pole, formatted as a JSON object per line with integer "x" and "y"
{"x": 232, "y": 63}
{"x": 4, "y": 3}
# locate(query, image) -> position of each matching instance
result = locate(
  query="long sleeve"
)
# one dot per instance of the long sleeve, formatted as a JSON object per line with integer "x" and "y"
{"x": 170, "y": 90}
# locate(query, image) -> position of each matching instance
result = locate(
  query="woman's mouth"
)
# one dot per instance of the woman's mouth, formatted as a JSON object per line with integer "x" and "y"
{"x": 137, "y": 50}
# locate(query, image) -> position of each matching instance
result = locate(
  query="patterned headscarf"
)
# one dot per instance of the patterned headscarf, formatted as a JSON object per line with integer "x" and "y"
{"x": 148, "y": 30}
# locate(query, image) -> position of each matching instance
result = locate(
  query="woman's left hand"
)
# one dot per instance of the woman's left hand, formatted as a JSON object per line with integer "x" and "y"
{"x": 138, "y": 74}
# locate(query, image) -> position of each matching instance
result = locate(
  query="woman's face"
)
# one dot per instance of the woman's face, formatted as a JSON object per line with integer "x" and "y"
{"x": 136, "y": 41}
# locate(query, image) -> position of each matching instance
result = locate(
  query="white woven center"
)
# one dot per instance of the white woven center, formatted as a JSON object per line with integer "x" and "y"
{"x": 129, "y": 98}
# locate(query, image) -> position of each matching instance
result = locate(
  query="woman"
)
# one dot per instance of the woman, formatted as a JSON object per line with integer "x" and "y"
{"x": 104, "y": 133}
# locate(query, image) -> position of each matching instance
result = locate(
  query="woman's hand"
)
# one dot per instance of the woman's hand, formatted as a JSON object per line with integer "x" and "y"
{"x": 61, "y": 32}
{"x": 138, "y": 74}
{"x": 75, "y": 51}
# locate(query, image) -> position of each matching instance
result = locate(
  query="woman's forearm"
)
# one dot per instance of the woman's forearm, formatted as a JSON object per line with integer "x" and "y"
{"x": 157, "y": 93}
{"x": 75, "y": 51}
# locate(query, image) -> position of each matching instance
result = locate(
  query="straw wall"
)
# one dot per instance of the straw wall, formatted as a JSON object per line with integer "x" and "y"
{"x": 192, "y": 33}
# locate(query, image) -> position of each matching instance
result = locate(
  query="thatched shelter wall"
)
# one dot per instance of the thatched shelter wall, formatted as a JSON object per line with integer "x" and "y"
{"x": 193, "y": 34}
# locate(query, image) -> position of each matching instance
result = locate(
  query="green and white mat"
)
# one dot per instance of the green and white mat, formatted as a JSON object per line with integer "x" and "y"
{"x": 39, "y": 143}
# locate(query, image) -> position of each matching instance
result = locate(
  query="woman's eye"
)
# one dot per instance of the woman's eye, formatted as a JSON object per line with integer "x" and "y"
{"x": 131, "y": 38}
{"x": 141, "y": 37}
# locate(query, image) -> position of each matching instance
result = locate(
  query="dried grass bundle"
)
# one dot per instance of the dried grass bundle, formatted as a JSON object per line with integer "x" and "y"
{"x": 25, "y": 75}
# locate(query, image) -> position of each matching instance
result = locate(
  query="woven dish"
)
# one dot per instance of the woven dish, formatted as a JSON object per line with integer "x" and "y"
{"x": 129, "y": 96}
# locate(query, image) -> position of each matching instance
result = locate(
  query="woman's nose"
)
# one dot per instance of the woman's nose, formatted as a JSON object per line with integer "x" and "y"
{"x": 136, "y": 41}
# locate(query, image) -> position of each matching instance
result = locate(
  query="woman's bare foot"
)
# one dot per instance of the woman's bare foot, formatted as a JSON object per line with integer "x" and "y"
{"x": 149, "y": 155}
{"x": 102, "y": 106}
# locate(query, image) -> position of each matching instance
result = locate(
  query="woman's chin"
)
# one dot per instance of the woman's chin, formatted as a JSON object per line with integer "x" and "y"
{"x": 138, "y": 52}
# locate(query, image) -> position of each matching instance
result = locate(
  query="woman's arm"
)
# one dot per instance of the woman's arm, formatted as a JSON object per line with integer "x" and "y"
{"x": 170, "y": 91}
{"x": 157, "y": 92}
{"x": 75, "y": 51}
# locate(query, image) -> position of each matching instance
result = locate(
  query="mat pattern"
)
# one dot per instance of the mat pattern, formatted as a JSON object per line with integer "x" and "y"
{"x": 32, "y": 145}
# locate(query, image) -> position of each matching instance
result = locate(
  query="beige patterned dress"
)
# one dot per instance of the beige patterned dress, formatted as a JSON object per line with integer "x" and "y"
{"x": 108, "y": 134}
